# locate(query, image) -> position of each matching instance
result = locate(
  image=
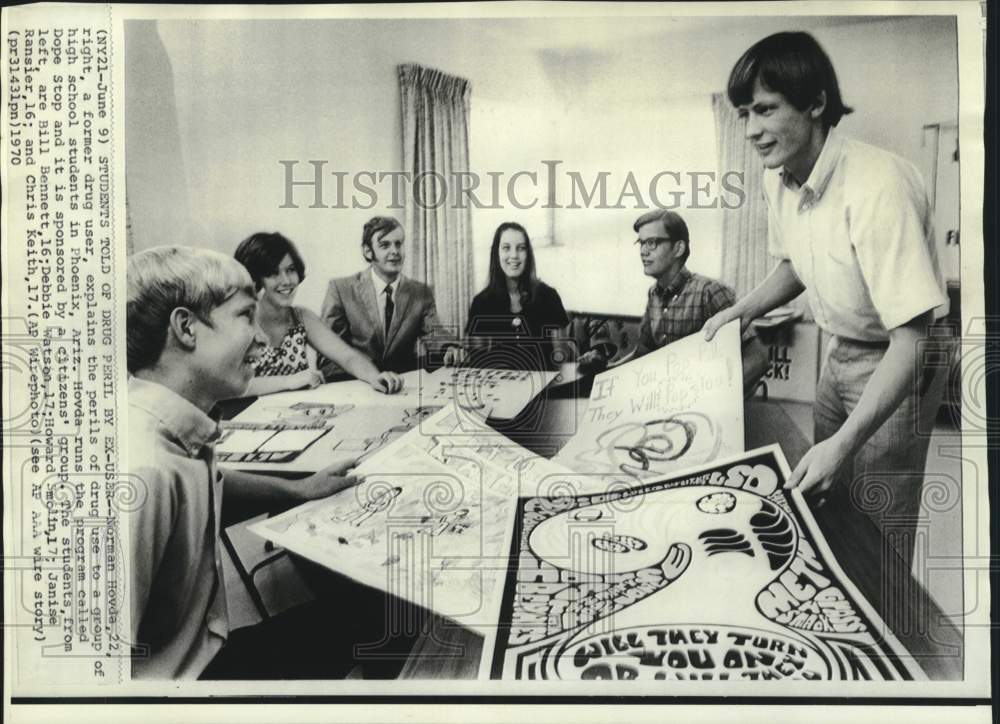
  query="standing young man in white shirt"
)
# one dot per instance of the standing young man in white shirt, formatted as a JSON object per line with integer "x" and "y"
{"x": 851, "y": 225}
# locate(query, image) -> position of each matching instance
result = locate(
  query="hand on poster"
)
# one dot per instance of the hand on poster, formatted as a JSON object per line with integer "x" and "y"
{"x": 328, "y": 481}
{"x": 818, "y": 468}
{"x": 720, "y": 320}
{"x": 388, "y": 383}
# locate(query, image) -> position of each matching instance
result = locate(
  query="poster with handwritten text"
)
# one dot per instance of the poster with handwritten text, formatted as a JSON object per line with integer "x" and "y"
{"x": 679, "y": 406}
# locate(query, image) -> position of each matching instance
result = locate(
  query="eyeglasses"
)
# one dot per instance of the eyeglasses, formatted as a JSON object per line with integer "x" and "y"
{"x": 652, "y": 242}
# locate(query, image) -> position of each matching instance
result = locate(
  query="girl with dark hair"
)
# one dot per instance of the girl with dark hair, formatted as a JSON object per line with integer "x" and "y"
{"x": 288, "y": 362}
{"x": 514, "y": 320}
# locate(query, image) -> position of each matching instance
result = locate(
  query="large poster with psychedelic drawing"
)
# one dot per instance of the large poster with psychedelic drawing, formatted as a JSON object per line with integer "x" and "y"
{"x": 715, "y": 574}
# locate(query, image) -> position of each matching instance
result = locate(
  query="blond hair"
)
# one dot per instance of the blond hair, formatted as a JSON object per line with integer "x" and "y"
{"x": 164, "y": 278}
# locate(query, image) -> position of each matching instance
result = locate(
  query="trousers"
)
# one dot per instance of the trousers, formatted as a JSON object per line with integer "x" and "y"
{"x": 884, "y": 480}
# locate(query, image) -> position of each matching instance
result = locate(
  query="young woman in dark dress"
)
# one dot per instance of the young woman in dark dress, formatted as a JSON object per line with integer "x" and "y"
{"x": 516, "y": 322}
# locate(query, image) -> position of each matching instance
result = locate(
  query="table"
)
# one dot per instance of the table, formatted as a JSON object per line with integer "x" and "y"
{"x": 445, "y": 650}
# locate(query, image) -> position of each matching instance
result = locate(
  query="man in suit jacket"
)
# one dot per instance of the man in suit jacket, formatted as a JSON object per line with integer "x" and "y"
{"x": 379, "y": 311}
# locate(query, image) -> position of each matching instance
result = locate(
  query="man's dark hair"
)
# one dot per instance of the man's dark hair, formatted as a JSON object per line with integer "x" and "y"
{"x": 794, "y": 65}
{"x": 673, "y": 224}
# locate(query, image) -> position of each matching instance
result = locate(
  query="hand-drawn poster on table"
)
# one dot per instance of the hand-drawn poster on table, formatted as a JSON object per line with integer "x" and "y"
{"x": 714, "y": 574}
{"x": 298, "y": 433}
{"x": 461, "y": 440}
{"x": 430, "y": 521}
{"x": 496, "y": 393}
{"x": 307, "y": 430}
{"x": 679, "y": 406}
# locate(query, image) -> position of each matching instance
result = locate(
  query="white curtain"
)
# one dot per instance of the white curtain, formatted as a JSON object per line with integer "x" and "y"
{"x": 745, "y": 261}
{"x": 435, "y": 114}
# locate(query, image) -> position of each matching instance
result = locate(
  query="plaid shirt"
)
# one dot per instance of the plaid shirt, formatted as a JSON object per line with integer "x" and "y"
{"x": 681, "y": 309}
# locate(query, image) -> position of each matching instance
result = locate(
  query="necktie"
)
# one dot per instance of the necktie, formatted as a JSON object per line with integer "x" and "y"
{"x": 389, "y": 308}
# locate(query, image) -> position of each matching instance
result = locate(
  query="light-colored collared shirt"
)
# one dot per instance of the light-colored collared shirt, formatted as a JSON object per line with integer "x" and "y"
{"x": 178, "y": 599}
{"x": 380, "y": 292}
{"x": 859, "y": 235}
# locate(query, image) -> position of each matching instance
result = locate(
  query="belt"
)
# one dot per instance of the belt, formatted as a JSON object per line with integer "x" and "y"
{"x": 864, "y": 343}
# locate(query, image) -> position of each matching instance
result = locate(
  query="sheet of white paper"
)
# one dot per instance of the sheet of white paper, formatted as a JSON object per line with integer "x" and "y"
{"x": 497, "y": 393}
{"x": 430, "y": 523}
{"x": 353, "y": 420}
{"x": 679, "y": 406}
{"x": 427, "y": 533}
{"x": 299, "y": 432}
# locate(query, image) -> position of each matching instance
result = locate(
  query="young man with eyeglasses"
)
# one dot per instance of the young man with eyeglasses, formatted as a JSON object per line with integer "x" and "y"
{"x": 680, "y": 302}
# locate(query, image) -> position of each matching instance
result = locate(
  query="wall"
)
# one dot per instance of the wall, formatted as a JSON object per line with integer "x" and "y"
{"x": 214, "y": 105}
{"x": 247, "y": 94}
{"x": 157, "y": 185}
{"x": 898, "y": 74}
{"x": 643, "y": 106}
{"x": 598, "y": 264}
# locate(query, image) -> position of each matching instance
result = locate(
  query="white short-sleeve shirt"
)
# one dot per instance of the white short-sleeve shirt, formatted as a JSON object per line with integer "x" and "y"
{"x": 859, "y": 235}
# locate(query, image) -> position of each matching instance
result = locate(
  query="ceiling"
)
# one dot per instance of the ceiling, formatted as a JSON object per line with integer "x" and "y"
{"x": 595, "y": 33}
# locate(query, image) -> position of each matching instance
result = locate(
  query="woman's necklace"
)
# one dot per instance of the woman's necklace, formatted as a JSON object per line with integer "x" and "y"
{"x": 515, "y": 309}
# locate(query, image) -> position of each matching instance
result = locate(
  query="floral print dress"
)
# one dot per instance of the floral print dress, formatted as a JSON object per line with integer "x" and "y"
{"x": 288, "y": 357}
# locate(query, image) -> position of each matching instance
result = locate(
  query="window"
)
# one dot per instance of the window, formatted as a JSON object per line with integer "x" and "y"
{"x": 606, "y": 167}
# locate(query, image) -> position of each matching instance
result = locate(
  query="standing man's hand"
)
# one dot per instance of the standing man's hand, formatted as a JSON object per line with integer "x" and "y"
{"x": 720, "y": 320}
{"x": 818, "y": 468}
{"x": 591, "y": 361}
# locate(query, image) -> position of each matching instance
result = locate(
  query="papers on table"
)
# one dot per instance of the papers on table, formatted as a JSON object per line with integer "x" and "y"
{"x": 308, "y": 430}
{"x": 432, "y": 519}
{"x": 495, "y": 393}
{"x": 298, "y": 433}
